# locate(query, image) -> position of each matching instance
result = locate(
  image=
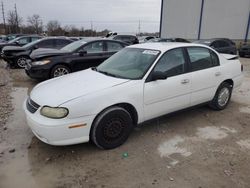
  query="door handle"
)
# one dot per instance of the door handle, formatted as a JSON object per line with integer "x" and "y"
{"x": 217, "y": 73}
{"x": 185, "y": 81}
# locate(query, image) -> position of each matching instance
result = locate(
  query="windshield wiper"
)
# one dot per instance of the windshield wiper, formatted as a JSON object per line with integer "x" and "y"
{"x": 106, "y": 73}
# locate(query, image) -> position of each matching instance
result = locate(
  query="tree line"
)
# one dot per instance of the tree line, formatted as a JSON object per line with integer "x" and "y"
{"x": 35, "y": 25}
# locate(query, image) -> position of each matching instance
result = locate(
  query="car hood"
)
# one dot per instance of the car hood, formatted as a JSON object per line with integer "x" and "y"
{"x": 13, "y": 48}
{"x": 46, "y": 52}
{"x": 60, "y": 90}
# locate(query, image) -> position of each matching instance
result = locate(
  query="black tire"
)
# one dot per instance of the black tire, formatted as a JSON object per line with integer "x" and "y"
{"x": 21, "y": 62}
{"x": 217, "y": 103}
{"x": 59, "y": 70}
{"x": 111, "y": 128}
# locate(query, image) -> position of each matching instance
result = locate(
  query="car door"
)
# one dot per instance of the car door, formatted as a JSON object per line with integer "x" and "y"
{"x": 206, "y": 74}
{"x": 171, "y": 94}
{"x": 94, "y": 56}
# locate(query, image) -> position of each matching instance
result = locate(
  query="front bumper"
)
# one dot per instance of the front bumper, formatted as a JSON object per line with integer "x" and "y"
{"x": 57, "y": 131}
{"x": 37, "y": 72}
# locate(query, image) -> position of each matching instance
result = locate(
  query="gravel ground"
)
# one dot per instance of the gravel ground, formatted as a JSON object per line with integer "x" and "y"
{"x": 5, "y": 89}
{"x": 195, "y": 148}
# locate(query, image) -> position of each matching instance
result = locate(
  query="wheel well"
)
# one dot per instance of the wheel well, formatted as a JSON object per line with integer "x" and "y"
{"x": 130, "y": 108}
{"x": 64, "y": 64}
{"x": 229, "y": 81}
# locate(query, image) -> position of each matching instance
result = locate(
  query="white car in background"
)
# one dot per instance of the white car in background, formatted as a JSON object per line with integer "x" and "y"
{"x": 139, "y": 83}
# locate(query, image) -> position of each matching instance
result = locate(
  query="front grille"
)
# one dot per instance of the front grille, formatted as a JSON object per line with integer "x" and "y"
{"x": 32, "y": 106}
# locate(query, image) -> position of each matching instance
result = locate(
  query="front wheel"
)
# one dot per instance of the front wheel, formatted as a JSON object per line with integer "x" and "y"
{"x": 59, "y": 70}
{"x": 111, "y": 128}
{"x": 21, "y": 62}
{"x": 222, "y": 96}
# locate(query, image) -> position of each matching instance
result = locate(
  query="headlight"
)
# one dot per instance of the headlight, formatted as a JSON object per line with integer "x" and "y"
{"x": 41, "y": 62}
{"x": 54, "y": 112}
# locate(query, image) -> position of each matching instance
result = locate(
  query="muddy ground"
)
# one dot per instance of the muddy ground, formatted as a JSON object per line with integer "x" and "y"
{"x": 195, "y": 148}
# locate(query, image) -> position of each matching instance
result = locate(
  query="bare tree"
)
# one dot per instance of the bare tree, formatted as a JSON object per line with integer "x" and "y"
{"x": 35, "y": 22}
{"x": 14, "y": 21}
{"x": 54, "y": 28}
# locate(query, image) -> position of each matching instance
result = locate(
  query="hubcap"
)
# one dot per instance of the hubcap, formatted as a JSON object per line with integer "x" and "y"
{"x": 22, "y": 62}
{"x": 223, "y": 96}
{"x": 113, "y": 130}
{"x": 60, "y": 71}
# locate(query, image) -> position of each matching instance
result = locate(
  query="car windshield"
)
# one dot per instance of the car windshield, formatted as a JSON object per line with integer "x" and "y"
{"x": 32, "y": 43}
{"x": 73, "y": 46}
{"x": 129, "y": 63}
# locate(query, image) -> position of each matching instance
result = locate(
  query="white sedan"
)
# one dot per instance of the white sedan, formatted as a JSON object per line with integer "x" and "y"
{"x": 140, "y": 82}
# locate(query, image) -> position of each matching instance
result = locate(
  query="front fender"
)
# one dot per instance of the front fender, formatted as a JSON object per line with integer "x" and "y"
{"x": 92, "y": 104}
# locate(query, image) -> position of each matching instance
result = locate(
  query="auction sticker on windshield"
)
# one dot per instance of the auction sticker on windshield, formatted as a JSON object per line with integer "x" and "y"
{"x": 150, "y": 52}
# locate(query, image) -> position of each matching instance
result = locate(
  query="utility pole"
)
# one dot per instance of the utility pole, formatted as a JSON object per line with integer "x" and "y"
{"x": 91, "y": 23}
{"x": 17, "y": 24}
{"x": 139, "y": 27}
{"x": 3, "y": 18}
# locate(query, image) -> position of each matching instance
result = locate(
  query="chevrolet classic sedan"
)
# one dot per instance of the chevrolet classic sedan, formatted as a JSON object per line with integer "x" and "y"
{"x": 141, "y": 82}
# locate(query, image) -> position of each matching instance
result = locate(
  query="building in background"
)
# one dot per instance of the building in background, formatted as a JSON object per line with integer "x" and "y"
{"x": 204, "y": 19}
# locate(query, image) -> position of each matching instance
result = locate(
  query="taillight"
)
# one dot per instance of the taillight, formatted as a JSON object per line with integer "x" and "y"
{"x": 242, "y": 68}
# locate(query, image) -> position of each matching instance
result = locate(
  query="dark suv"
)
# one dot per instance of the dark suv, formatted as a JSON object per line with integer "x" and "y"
{"x": 221, "y": 45}
{"x": 130, "y": 39}
{"x": 18, "y": 56}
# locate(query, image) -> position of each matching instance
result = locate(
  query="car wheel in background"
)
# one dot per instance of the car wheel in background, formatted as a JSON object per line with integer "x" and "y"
{"x": 111, "y": 128}
{"x": 21, "y": 61}
{"x": 59, "y": 70}
{"x": 222, "y": 97}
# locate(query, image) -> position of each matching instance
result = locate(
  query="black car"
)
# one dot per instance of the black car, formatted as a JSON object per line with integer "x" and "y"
{"x": 244, "y": 50}
{"x": 168, "y": 40}
{"x": 20, "y": 41}
{"x": 76, "y": 56}
{"x": 130, "y": 39}
{"x": 221, "y": 45}
{"x": 18, "y": 56}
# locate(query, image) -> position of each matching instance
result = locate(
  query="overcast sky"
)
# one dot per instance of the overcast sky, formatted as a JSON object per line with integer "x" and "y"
{"x": 116, "y": 15}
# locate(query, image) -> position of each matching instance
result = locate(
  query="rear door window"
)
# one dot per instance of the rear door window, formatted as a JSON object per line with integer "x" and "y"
{"x": 114, "y": 46}
{"x": 61, "y": 43}
{"x": 94, "y": 47}
{"x": 49, "y": 43}
{"x": 200, "y": 58}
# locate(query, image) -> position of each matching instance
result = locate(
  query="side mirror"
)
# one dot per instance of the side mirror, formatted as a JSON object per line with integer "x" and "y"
{"x": 17, "y": 42}
{"x": 157, "y": 75}
{"x": 82, "y": 52}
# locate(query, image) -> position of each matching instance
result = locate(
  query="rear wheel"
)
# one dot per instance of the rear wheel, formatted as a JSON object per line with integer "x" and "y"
{"x": 59, "y": 70}
{"x": 222, "y": 97}
{"x": 21, "y": 62}
{"x": 111, "y": 128}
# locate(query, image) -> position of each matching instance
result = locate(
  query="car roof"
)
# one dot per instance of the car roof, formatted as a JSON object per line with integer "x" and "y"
{"x": 100, "y": 39}
{"x": 164, "y": 46}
